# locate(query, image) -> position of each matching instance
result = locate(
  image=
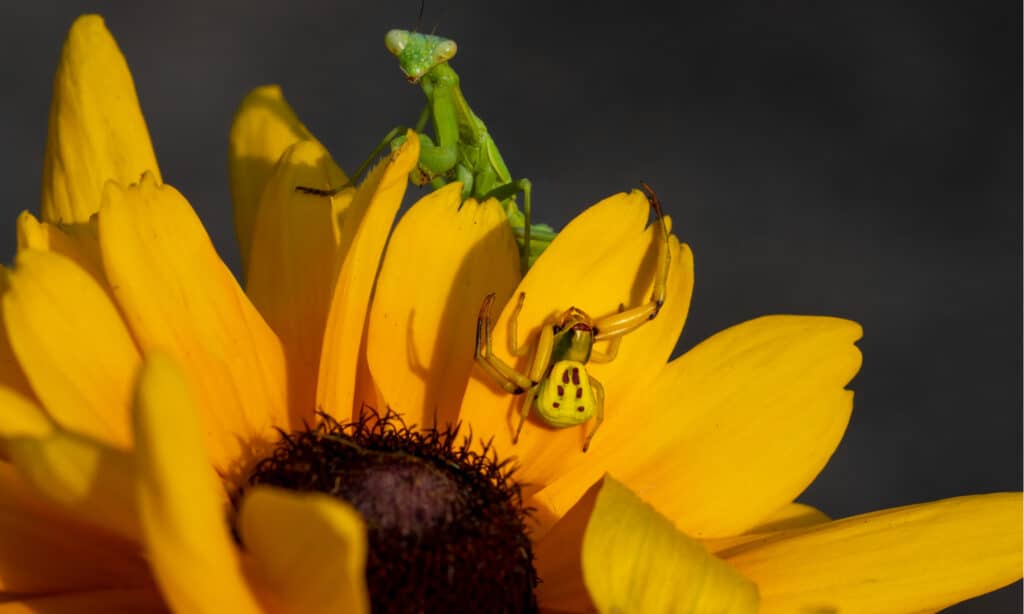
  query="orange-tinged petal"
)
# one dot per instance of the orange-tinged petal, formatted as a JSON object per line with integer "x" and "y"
{"x": 134, "y": 600}
{"x": 72, "y": 345}
{"x": 86, "y": 477}
{"x": 96, "y": 132}
{"x": 379, "y": 197}
{"x": 631, "y": 559}
{"x": 177, "y": 296}
{"x": 309, "y": 548}
{"x": 603, "y": 258}
{"x": 443, "y": 258}
{"x": 293, "y": 266}
{"x": 908, "y": 559}
{"x": 45, "y": 550}
{"x": 180, "y": 499}
{"x": 264, "y": 127}
{"x": 735, "y": 428}
{"x": 78, "y": 242}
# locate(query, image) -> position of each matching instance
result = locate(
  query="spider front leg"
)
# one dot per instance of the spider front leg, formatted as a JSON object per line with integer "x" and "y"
{"x": 506, "y": 376}
{"x": 598, "y": 409}
{"x": 610, "y": 327}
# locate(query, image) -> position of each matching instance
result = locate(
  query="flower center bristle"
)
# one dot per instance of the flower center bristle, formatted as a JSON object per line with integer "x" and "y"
{"x": 445, "y": 524}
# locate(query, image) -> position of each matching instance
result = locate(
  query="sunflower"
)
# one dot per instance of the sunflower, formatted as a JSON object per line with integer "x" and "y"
{"x": 170, "y": 440}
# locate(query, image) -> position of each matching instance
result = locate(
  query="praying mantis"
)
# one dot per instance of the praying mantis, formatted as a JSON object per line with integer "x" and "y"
{"x": 462, "y": 149}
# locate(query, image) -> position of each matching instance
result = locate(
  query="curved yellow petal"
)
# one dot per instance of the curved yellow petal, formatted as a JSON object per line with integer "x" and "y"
{"x": 790, "y": 516}
{"x": 71, "y": 344}
{"x": 44, "y": 550}
{"x": 21, "y": 417}
{"x": 292, "y": 265}
{"x": 97, "y": 132}
{"x": 11, "y": 374}
{"x": 89, "y": 479}
{"x": 603, "y": 258}
{"x": 309, "y": 548}
{"x": 78, "y": 242}
{"x": 177, "y": 296}
{"x": 443, "y": 258}
{"x": 101, "y": 601}
{"x": 180, "y": 499}
{"x": 735, "y": 428}
{"x": 264, "y": 127}
{"x": 375, "y": 204}
{"x": 633, "y": 560}
{"x": 908, "y": 559}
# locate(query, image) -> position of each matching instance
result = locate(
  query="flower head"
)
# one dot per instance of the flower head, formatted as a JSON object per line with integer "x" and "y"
{"x": 172, "y": 440}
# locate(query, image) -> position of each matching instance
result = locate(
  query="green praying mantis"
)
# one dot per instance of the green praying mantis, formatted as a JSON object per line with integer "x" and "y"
{"x": 462, "y": 148}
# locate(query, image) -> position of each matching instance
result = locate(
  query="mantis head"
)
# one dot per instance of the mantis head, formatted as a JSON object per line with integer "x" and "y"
{"x": 418, "y": 53}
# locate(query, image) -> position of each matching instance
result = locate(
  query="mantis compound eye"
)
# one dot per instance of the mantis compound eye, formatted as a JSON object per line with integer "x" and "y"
{"x": 445, "y": 51}
{"x": 395, "y": 41}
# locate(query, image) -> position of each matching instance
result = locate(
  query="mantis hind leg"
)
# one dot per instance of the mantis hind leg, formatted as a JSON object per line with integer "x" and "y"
{"x": 505, "y": 193}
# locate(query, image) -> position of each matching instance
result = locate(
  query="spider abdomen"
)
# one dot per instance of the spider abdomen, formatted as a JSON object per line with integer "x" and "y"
{"x": 566, "y": 397}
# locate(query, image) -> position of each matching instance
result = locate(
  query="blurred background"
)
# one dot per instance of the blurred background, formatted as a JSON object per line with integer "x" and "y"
{"x": 860, "y": 160}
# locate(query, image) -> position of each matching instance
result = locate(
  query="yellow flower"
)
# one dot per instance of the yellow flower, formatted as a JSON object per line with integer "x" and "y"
{"x": 140, "y": 386}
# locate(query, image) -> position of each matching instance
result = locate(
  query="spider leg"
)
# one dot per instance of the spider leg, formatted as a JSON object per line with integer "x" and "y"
{"x": 629, "y": 320}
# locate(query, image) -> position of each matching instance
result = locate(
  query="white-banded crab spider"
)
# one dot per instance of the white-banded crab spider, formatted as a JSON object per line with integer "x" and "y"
{"x": 557, "y": 383}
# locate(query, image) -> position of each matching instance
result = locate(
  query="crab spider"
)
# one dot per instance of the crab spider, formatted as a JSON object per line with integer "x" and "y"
{"x": 557, "y": 383}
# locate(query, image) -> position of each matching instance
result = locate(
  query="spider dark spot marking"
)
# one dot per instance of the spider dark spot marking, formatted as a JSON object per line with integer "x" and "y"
{"x": 575, "y": 376}
{"x": 561, "y": 391}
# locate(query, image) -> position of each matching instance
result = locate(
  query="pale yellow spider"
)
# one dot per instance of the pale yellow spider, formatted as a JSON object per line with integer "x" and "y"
{"x": 557, "y": 383}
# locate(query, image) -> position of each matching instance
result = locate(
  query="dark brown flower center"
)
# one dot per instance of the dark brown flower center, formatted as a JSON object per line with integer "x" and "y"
{"x": 446, "y": 525}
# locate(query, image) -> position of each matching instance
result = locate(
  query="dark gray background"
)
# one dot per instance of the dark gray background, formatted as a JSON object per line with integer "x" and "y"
{"x": 853, "y": 160}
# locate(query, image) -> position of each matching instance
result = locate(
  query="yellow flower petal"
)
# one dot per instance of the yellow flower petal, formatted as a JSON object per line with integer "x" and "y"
{"x": 89, "y": 479}
{"x": 180, "y": 500}
{"x": 97, "y": 132}
{"x": 443, "y": 258}
{"x": 21, "y": 417}
{"x": 177, "y": 296}
{"x": 601, "y": 259}
{"x": 379, "y": 197}
{"x": 735, "y": 428}
{"x": 293, "y": 263}
{"x": 78, "y": 242}
{"x": 264, "y": 126}
{"x": 12, "y": 376}
{"x": 310, "y": 549}
{"x": 136, "y": 600}
{"x": 908, "y": 559}
{"x": 633, "y": 560}
{"x": 72, "y": 345}
{"x": 43, "y": 550}
{"x": 790, "y": 516}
